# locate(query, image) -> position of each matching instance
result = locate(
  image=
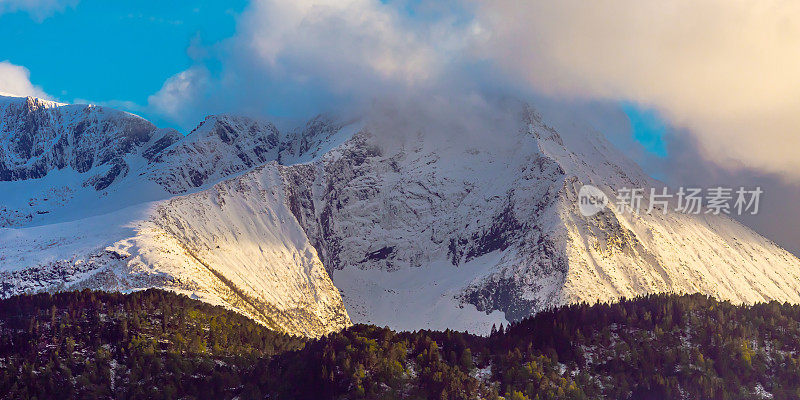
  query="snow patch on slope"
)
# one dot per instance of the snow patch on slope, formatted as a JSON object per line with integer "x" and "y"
{"x": 414, "y": 298}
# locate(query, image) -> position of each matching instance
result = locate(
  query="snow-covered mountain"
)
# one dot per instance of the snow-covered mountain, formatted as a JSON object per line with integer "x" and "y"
{"x": 308, "y": 229}
{"x": 62, "y": 233}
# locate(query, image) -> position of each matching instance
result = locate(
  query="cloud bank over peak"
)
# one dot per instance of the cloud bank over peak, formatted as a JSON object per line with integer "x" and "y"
{"x": 727, "y": 73}
{"x": 349, "y": 38}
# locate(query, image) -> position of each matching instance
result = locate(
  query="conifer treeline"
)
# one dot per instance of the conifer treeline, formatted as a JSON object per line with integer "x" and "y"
{"x": 157, "y": 344}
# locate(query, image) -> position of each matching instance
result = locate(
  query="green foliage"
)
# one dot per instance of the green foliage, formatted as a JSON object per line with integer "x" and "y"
{"x": 150, "y": 344}
{"x": 156, "y": 344}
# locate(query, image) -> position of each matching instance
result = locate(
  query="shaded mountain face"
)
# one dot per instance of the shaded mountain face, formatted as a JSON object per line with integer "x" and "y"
{"x": 449, "y": 235}
{"x": 38, "y": 136}
{"x": 308, "y": 229}
{"x": 66, "y": 162}
{"x": 219, "y": 147}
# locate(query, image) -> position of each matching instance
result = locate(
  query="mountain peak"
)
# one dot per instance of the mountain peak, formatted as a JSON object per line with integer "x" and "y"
{"x": 537, "y": 127}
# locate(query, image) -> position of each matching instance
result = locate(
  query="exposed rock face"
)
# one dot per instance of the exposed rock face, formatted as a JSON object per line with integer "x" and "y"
{"x": 399, "y": 210}
{"x": 312, "y": 140}
{"x": 219, "y": 147}
{"x": 366, "y": 207}
{"x": 39, "y": 136}
{"x": 307, "y": 229}
{"x": 75, "y": 151}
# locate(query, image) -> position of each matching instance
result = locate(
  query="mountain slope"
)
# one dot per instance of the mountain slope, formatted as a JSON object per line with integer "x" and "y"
{"x": 221, "y": 245}
{"x": 499, "y": 229}
{"x": 219, "y": 147}
{"x": 74, "y": 153}
{"x": 332, "y": 221}
{"x": 136, "y": 234}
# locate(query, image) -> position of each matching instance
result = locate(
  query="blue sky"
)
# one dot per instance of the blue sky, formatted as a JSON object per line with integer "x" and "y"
{"x": 647, "y": 128}
{"x": 113, "y": 50}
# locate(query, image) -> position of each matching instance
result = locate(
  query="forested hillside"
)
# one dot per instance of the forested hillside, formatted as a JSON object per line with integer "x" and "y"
{"x": 157, "y": 344}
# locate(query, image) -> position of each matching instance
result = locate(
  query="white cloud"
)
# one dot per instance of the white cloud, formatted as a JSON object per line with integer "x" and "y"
{"x": 728, "y": 71}
{"x": 342, "y": 40}
{"x": 293, "y": 55}
{"x": 15, "y": 80}
{"x": 38, "y": 9}
{"x": 181, "y": 92}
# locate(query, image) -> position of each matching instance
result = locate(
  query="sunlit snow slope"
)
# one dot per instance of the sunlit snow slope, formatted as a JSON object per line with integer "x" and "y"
{"x": 232, "y": 243}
